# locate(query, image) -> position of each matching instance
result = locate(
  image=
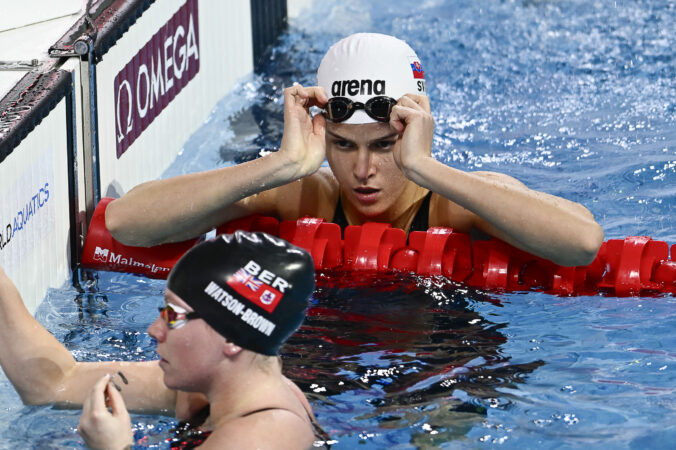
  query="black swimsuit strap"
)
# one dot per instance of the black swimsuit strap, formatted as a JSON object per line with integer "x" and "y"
{"x": 339, "y": 216}
{"x": 420, "y": 221}
{"x": 187, "y": 435}
{"x": 319, "y": 432}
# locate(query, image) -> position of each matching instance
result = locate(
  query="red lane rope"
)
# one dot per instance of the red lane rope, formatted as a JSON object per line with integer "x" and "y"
{"x": 636, "y": 265}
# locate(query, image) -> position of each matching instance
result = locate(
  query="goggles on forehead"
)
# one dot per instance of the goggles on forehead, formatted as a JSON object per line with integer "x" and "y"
{"x": 339, "y": 109}
{"x": 175, "y": 316}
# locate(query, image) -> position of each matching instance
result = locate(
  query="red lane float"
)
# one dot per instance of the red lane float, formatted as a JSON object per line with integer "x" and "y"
{"x": 636, "y": 265}
{"x": 101, "y": 251}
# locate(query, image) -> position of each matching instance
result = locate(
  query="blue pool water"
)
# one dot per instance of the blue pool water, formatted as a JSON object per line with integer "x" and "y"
{"x": 575, "y": 98}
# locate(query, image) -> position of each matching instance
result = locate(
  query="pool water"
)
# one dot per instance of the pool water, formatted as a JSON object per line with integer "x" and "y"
{"x": 574, "y": 98}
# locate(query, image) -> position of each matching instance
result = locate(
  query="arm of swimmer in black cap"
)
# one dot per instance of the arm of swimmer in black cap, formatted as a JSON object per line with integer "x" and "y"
{"x": 250, "y": 401}
{"x": 43, "y": 371}
{"x": 183, "y": 207}
{"x": 560, "y": 230}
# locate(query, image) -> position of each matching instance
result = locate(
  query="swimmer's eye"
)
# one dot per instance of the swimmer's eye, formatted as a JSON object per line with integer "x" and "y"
{"x": 342, "y": 144}
{"x": 384, "y": 145}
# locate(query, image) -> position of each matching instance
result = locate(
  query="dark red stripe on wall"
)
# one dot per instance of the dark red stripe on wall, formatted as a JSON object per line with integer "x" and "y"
{"x": 155, "y": 75}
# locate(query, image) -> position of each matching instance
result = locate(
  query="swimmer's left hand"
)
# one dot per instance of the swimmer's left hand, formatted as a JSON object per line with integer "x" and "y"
{"x": 103, "y": 429}
{"x": 411, "y": 117}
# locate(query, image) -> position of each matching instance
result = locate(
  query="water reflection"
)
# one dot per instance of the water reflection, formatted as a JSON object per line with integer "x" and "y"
{"x": 397, "y": 351}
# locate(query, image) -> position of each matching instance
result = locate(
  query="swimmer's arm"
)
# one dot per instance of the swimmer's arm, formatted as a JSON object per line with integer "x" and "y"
{"x": 551, "y": 227}
{"x": 545, "y": 225}
{"x": 43, "y": 371}
{"x": 186, "y": 206}
{"x": 143, "y": 392}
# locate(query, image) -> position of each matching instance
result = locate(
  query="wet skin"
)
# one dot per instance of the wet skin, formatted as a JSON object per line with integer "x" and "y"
{"x": 187, "y": 352}
{"x": 372, "y": 186}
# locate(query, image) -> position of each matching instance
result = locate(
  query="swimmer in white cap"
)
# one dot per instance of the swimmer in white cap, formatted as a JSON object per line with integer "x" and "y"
{"x": 376, "y": 133}
{"x": 218, "y": 339}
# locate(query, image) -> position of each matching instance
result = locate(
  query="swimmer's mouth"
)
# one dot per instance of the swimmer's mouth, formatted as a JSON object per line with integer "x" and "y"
{"x": 366, "y": 195}
{"x": 366, "y": 190}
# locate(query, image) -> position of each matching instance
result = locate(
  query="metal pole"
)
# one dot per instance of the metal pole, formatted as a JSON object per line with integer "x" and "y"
{"x": 84, "y": 48}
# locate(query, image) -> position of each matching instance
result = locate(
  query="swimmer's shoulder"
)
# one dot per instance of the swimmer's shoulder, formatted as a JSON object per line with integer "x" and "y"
{"x": 298, "y": 394}
{"x": 269, "y": 429}
{"x": 315, "y": 196}
{"x": 445, "y": 213}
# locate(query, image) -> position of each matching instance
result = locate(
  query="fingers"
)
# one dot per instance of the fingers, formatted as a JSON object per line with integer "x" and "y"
{"x": 96, "y": 398}
{"x": 398, "y": 119}
{"x": 93, "y": 404}
{"x": 306, "y": 96}
{"x": 411, "y": 108}
{"x": 116, "y": 402}
{"x": 319, "y": 126}
{"x": 402, "y": 115}
{"x": 419, "y": 102}
{"x": 98, "y": 427}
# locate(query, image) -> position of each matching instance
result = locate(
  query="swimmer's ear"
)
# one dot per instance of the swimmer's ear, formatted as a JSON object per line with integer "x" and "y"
{"x": 230, "y": 349}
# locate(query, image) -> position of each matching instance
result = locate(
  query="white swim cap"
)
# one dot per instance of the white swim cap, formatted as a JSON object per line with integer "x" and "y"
{"x": 366, "y": 65}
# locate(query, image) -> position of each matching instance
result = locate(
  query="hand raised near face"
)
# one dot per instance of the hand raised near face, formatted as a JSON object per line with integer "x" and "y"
{"x": 303, "y": 144}
{"x": 412, "y": 118}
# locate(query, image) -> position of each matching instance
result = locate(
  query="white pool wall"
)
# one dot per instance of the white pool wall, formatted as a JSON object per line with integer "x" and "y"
{"x": 42, "y": 174}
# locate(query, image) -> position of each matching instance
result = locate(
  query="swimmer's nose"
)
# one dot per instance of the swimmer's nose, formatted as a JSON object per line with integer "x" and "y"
{"x": 158, "y": 330}
{"x": 363, "y": 167}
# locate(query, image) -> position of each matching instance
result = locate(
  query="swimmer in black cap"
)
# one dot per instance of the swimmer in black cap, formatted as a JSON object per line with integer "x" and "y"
{"x": 230, "y": 303}
{"x": 377, "y": 133}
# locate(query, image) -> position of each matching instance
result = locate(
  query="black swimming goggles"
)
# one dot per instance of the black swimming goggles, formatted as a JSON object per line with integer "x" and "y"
{"x": 339, "y": 109}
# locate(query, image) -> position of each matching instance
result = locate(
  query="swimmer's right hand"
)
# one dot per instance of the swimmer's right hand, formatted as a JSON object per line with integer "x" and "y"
{"x": 103, "y": 429}
{"x": 303, "y": 144}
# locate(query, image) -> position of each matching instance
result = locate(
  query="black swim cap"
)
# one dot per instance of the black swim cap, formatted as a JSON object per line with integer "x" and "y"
{"x": 252, "y": 288}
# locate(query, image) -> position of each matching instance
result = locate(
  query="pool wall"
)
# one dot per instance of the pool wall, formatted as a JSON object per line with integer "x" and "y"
{"x": 105, "y": 107}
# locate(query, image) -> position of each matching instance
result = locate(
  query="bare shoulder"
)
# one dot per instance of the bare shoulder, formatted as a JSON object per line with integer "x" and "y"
{"x": 322, "y": 181}
{"x": 301, "y": 397}
{"x": 326, "y": 176}
{"x": 271, "y": 429}
{"x": 445, "y": 213}
{"x": 315, "y": 195}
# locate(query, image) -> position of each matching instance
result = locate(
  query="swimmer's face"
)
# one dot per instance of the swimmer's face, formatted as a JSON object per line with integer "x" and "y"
{"x": 188, "y": 353}
{"x": 361, "y": 158}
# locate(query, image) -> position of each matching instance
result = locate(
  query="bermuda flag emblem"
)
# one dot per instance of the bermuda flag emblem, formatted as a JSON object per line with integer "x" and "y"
{"x": 255, "y": 290}
{"x": 418, "y": 71}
